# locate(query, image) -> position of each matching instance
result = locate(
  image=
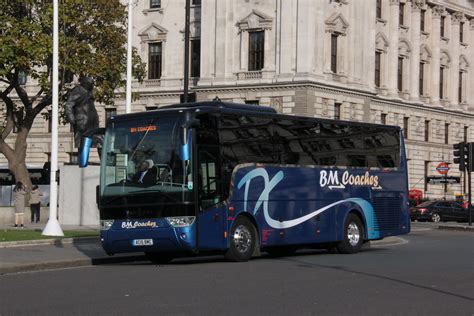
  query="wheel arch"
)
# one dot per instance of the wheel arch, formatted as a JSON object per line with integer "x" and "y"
{"x": 357, "y": 212}
{"x": 252, "y": 219}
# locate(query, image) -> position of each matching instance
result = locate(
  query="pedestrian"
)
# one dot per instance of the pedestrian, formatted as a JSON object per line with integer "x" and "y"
{"x": 20, "y": 195}
{"x": 35, "y": 203}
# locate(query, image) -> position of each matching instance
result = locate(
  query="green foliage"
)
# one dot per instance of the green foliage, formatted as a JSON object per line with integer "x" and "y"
{"x": 92, "y": 42}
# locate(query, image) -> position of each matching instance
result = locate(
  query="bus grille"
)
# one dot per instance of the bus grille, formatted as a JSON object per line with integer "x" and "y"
{"x": 387, "y": 213}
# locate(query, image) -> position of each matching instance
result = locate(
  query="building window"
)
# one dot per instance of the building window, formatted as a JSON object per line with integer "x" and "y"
{"x": 441, "y": 82}
{"x": 196, "y": 58}
{"x": 378, "y": 9}
{"x": 422, "y": 79}
{"x": 254, "y": 102}
{"x": 443, "y": 19}
{"x": 378, "y": 56}
{"x": 405, "y": 127}
{"x": 400, "y": 74}
{"x": 256, "y": 50}
{"x": 461, "y": 32}
{"x": 383, "y": 118}
{"x": 334, "y": 53}
{"x": 109, "y": 112}
{"x": 465, "y": 133}
{"x": 401, "y": 14}
{"x": 196, "y": 2}
{"x": 422, "y": 20}
{"x": 446, "y": 133}
{"x": 460, "y": 87}
{"x": 427, "y": 131}
{"x": 337, "y": 111}
{"x": 50, "y": 122}
{"x": 154, "y": 4}
{"x": 154, "y": 60}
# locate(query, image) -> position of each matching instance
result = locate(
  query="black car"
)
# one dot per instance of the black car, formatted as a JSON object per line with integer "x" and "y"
{"x": 437, "y": 211}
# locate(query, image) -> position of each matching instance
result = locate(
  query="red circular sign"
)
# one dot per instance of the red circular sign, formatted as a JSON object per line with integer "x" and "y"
{"x": 442, "y": 168}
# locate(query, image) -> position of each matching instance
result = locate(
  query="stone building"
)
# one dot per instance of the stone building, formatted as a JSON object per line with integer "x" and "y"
{"x": 397, "y": 62}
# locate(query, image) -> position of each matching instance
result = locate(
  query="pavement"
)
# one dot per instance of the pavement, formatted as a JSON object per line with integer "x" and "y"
{"x": 35, "y": 255}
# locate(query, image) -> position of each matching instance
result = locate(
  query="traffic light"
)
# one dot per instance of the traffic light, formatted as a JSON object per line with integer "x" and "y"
{"x": 460, "y": 152}
{"x": 470, "y": 157}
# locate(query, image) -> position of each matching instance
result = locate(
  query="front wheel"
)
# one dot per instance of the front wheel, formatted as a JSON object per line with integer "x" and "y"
{"x": 242, "y": 240}
{"x": 436, "y": 218}
{"x": 353, "y": 235}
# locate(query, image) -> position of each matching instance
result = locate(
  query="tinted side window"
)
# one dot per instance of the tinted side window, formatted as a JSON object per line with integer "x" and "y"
{"x": 246, "y": 139}
{"x": 316, "y": 143}
{"x": 382, "y": 147}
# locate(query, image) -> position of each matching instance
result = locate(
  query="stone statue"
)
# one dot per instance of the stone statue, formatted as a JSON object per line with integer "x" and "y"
{"x": 80, "y": 109}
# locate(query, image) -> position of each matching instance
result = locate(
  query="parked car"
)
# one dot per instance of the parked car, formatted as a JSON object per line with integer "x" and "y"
{"x": 436, "y": 211}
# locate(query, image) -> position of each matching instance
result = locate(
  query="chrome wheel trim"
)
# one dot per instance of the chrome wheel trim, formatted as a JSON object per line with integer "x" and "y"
{"x": 353, "y": 234}
{"x": 436, "y": 218}
{"x": 242, "y": 239}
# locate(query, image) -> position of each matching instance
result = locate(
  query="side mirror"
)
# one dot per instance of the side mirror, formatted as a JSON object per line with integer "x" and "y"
{"x": 185, "y": 144}
{"x": 185, "y": 137}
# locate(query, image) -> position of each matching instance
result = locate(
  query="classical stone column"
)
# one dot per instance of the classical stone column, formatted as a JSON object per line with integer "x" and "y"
{"x": 457, "y": 17}
{"x": 415, "y": 52}
{"x": 393, "y": 48}
{"x": 305, "y": 36}
{"x": 208, "y": 25}
{"x": 436, "y": 51}
{"x": 286, "y": 32}
{"x": 470, "y": 40}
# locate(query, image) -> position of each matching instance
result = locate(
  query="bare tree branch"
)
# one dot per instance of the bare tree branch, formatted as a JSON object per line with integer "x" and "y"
{"x": 47, "y": 100}
{"x": 10, "y": 121}
{"x": 40, "y": 92}
{"x": 23, "y": 97}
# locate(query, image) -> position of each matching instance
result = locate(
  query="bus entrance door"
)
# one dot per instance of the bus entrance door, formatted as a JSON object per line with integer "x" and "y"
{"x": 211, "y": 210}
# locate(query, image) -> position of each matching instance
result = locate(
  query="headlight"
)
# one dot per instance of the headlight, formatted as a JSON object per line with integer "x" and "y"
{"x": 181, "y": 221}
{"x": 105, "y": 225}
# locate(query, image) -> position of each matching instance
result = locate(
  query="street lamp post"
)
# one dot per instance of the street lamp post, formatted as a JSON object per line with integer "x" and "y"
{"x": 52, "y": 227}
{"x": 128, "y": 102}
{"x": 186, "y": 52}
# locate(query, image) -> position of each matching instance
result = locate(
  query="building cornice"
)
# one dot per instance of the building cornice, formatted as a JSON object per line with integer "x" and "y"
{"x": 335, "y": 90}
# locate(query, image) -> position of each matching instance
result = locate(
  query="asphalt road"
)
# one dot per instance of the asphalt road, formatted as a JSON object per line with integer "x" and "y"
{"x": 429, "y": 272}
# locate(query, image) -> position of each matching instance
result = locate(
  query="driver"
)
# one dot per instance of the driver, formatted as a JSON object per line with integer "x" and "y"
{"x": 146, "y": 173}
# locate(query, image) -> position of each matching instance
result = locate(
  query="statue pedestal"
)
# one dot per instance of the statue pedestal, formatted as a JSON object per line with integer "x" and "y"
{"x": 77, "y": 202}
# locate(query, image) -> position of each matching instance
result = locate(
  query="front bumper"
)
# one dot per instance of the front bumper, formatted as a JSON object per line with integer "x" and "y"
{"x": 165, "y": 238}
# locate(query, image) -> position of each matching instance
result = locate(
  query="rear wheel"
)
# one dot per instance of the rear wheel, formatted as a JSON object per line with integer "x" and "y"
{"x": 242, "y": 240}
{"x": 436, "y": 218}
{"x": 158, "y": 258}
{"x": 353, "y": 235}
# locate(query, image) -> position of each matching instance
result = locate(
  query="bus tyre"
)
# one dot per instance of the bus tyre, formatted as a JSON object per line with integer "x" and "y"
{"x": 242, "y": 240}
{"x": 353, "y": 235}
{"x": 158, "y": 258}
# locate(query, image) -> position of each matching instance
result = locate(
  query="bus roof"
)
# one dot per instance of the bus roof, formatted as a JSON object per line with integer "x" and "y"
{"x": 221, "y": 105}
{"x": 252, "y": 109}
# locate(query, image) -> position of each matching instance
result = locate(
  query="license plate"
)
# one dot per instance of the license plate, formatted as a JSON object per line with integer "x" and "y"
{"x": 142, "y": 242}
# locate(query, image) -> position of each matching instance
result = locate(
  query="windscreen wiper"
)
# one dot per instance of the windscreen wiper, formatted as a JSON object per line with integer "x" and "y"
{"x": 142, "y": 138}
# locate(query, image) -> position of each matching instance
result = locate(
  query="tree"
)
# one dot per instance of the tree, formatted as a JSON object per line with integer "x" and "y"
{"x": 92, "y": 38}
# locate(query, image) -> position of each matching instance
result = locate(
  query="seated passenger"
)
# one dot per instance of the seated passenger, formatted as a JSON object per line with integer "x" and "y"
{"x": 146, "y": 173}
